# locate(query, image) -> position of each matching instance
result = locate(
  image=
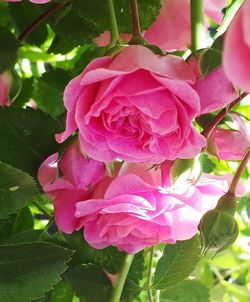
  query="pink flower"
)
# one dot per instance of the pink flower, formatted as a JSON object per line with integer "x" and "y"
{"x": 214, "y": 89}
{"x": 5, "y": 85}
{"x": 231, "y": 144}
{"x": 80, "y": 175}
{"x": 172, "y": 29}
{"x": 237, "y": 49}
{"x": 137, "y": 212}
{"x": 136, "y": 106}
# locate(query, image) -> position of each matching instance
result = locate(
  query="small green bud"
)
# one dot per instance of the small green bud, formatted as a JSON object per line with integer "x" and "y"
{"x": 218, "y": 228}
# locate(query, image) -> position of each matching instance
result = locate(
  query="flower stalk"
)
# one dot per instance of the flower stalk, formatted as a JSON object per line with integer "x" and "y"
{"x": 197, "y": 24}
{"x": 240, "y": 170}
{"x": 118, "y": 287}
{"x": 40, "y": 20}
{"x": 219, "y": 117}
{"x": 114, "y": 33}
{"x": 150, "y": 273}
{"x": 136, "y": 37}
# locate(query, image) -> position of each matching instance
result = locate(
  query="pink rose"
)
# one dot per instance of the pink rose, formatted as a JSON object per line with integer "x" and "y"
{"x": 135, "y": 106}
{"x": 236, "y": 54}
{"x": 172, "y": 29}
{"x": 137, "y": 212}
{"x": 214, "y": 89}
{"x": 79, "y": 177}
{"x": 231, "y": 144}
{"x": 5, "y": 85}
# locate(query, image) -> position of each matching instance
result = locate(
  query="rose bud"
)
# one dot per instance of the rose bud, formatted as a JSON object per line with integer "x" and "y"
{"x": 217, "y": 227}
{"x": 10, "y": 86}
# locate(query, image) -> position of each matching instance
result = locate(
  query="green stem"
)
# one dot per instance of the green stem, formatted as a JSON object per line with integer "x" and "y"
{"x": 135, "y": 18}
{"x": 197, "y": 24}
{"x": 157, "y": 295}
{"x": 42, "y": 209}
{"x": 114, "y": 36}
{"x": 40, "y": 20}
{"x": 118, "y": 287}
{"x": 219, "y": 117}
{"x": 150, "y": 273}
{"x": 240, "y": 170}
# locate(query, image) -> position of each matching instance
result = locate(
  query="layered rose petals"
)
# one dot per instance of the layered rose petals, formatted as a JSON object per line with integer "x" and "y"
{"x": 136, "y": 212}
{"x": 135, "y": 106}
{"x": 231, "y": 144}
{"x": 236, "y": 56}
{"x": 79, "y": 175}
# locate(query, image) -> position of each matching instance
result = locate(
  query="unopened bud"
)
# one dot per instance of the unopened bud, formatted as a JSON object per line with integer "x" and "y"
{"x": 10, "y": 86}
{"x": 218, "y": 228}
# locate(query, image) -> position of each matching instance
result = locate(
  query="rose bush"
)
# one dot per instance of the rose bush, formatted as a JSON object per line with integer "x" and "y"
{"x": 236, "y": 52}
{"x": 137, "y": 106}
{"x": 79, "y": 176}
{"x": 137, "y": 211}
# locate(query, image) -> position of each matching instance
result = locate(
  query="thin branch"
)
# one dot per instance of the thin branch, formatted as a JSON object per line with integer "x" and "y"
{"x": 40, "y": 20}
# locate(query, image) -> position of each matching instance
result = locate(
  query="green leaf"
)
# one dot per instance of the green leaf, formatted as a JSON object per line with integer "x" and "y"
{"x": 48, "y": 91}
{"x": 25, "y": 94}
{"x": 81, "y": 22}
{"x": 29, "y": 270}
{"x": 61, "y": 293}
{"x": 148, "y": 11}
{"x": 8, "y": 49}
{"x": 187, "y": 291}
{"x": 25, "y": 236}
{"x": 109, "y": 258}
{"x": 207, "y": 165}
{"x": 22, "y": 15}
{"x": 211, "y": 58}
{"x": 90, "y": 283}
{"x": 177, "y": 263}
{"x": 27, "y": 138}
{"x": 16, "y": 190}
{"x": 16, "y": 223}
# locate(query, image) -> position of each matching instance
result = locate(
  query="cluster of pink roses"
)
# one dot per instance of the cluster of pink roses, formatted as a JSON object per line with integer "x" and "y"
{"x": 131, "y": 209}
{"x": 139, "y": 107}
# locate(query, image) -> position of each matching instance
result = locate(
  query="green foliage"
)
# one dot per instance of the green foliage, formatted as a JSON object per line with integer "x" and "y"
{"x": 80, "y": 22}
{"x": 22, "y": 15}
{"x": 8, "y": 49}
{"x": 21, "y": 221}
{"x": 207, "y": 164}
{"x": 27, "y": 138}
{"x": 33, "y": 251}
{"x": 187, "y": 291}
{"x": 16, "y": 190}
{"x": 48, "y": 91}
{"x": 90, "y": 283}
{"x": 177, "y": 263}
{"x": 28, "y": 270}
